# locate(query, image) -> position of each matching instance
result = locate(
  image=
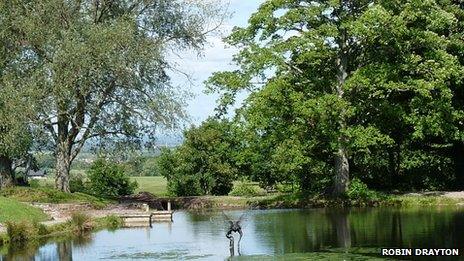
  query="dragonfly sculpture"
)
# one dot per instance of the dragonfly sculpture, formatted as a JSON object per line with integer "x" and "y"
{"x": 234, "y": 226}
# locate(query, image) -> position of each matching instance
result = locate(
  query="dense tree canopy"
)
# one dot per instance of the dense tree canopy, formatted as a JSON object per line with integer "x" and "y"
{"x": 365, "y": 88}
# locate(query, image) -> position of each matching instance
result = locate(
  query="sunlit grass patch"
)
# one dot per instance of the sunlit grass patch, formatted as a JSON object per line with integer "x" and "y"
{"x": 428, "y": 200}
{"x": 49, "y": 195}
{"x": 155, "y": 185}
{"x": 12, "y": 210}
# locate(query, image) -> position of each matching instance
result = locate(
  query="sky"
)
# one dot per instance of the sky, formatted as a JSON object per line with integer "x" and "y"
{"x": 217, "y": 56}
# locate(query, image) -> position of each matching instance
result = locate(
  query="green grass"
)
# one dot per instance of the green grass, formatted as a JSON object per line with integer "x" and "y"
{"x": 427, "y": 200}
{"x": 12, "y": 210}
{"x": 23, "y": 232}
{"x": 46, "y": 182}
{"x": 155, "y": 185}
{"x": 49, "y": 195}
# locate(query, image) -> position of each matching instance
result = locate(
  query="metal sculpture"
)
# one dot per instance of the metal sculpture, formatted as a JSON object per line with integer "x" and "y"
{"x": 235, "y": 226}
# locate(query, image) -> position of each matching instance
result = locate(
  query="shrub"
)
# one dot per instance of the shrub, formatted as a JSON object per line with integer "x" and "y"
{"x": 359, "y": 190}
{"x": 285, "y": 188}
{"x": 112, "y": 222}
{"x": 107, "y": 179}
{"x": 149, "y": 167}
{"x": 19, "y": 232}
{"x": 33, "y": 183}
{"x": 3, "y": 240}
{"x": 247, "y": 189}
{"x": 76, "y": 183}
{"x": 81, "y": 223}
{"x": 183, "y": 186}
{"x": 40, "y": 228}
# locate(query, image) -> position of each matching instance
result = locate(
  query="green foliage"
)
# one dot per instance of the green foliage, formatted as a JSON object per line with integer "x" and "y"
{"x": 133, "y": 166}
{"x": 49, "y": 195}
{"x": 111, "y": 222}
{"x": 204, "y": 164}
{"x": 185, "y": 185}
{"x": 101, "y": 70}
{"x": 379, "y": 82}
{"x": 77, "y": 183}
{"x": 81, "y": 223}
{"x": 45, "y": 160}
{"x": 149, "y": 168}
{"x": 33, "y": 183}
{"x": 19, "y": 233}
{"x": 359, "y": 190}
{"x": 107, "y": 179}
{"x": 40, "y": 229}
{"x": 247, "y": 189}
{"x": 285, "y": 188}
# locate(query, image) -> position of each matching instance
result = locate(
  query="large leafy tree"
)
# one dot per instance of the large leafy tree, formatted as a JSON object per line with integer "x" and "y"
{"x": 17, "y": 103}
{"x": 102, "y": 66}
{"x": 340, "y": 84}
{"x": 409, "y": 92}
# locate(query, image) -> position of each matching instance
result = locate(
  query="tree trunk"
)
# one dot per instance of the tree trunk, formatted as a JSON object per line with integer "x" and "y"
{"x": 342, "y": 165}
{"x": 6, "y": 172}
{"x": 342, "y": 172}
{"x": 63, "y": 166}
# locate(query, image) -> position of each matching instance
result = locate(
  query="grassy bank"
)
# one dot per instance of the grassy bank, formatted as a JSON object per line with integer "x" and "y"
{"x": 12, "y": 210}
{"x": 49, "y": 195}
{"x": 300, "y": 201}
{"x": 22, "y": 233}
{"x": 297, "y": 201}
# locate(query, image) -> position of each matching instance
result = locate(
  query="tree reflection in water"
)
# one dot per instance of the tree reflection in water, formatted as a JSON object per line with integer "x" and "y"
{"x": 59, "y": 250}
{"x": 271, "y": 232}
{"x": 341, "y": 227}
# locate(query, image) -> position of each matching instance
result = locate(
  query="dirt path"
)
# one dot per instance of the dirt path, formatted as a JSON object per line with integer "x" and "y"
{"x": 63, "y": 212}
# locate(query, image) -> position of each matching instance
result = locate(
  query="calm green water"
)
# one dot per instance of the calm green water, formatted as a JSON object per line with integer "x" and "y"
{"x": 333, "y": 234}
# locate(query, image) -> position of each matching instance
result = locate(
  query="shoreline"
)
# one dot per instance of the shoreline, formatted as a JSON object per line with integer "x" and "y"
{"x": 60, "y": 214}
{"x": 298, "y": 201}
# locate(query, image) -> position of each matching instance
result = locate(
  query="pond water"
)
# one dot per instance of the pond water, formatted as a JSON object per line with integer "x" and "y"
{"x": 334, "y": 234}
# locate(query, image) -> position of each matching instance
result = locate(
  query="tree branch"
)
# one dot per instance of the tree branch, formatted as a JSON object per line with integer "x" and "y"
{"x": 93, "y": 119}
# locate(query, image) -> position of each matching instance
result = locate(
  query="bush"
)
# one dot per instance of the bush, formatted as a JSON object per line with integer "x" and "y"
{"x": 76, "y": 184}
{"x": 112, "y": 222}
{"x": 33, "y": 183}
{"x": 285, "y": 188}
{"x": 40, "y": 228}
{"x": 107, "y": 179}
{"x": 19, "y": 232}
{"x": 81, "y": 223}
{"x": 359, "y": 190}
{"x": 183, "y": 186}
{"x": 247, "y": 189}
